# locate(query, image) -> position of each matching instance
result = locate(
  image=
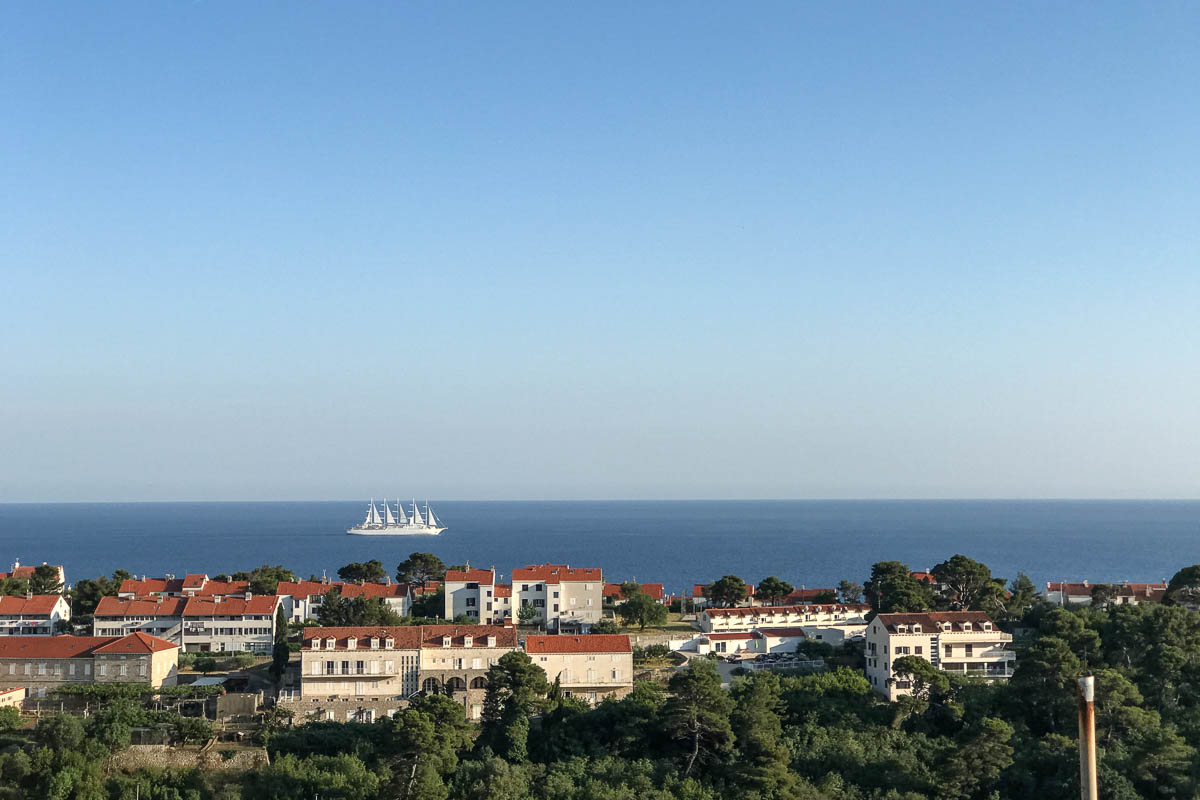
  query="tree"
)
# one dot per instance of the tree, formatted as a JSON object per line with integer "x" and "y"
{"x": 205, "y": 664}
{"x": 773, "y": 590}
{"x": 419, "y": 568}
{"x": 761, "y": 762}
{"x": 1103, "y": 594}
{"x": 925, "y": 680}
{"x": 1022, "y": 595}
{"x": 825, "y": 596}
{"x": 605, "y": 626}
{"x": 265, "y": 579}
{"x": 967, "y": 583}
{"x": 892, "y": 589}
{"x": 365, "y": 572}
{"x": 336, "y": 610}
{"x": 850, "y": 591}
{"x": 10, "y": 718}
{"x": 527, "y": 614}
{"x": 45, "y": 580}
{"x": 428, "y": 605}
{"x": 14, "y": 587}
{"x": 280, "y": 653}
{"x": 1184, "y": 588}
{"x": 727, "y": 592}
{"x": 696, "y": 716}
{"x": 641, "y": 609}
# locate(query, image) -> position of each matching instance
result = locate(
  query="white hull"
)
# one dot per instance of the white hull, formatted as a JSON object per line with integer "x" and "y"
{"x": 395, "y": 530}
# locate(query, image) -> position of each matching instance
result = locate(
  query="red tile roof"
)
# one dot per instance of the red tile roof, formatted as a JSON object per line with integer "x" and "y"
{"x": 655, "y": 590}
{"x": 62, "y": 646}
{"x": 150, "y": 586}
{"x": 782, "y": 632}
{"x": 432, "y": 635}
{"x": 931, "y": 621}
{"x": 373, "y": 590}
{"x": 485, "y": 576}
{"x": 141, "y": 607}
{"x": 198, "y": 585}
{"x": 591, "y": 643}
{"x": 761, "y": 611}
{"x": 194, "y": 580}
{"x": 405, "y": 637}
{"x": 231, "y": 606}
{"x": 304, "y": 588}
{"x": 39, "y": 604}
{"x": 923, "y": 577}
{"x": 411, "y": 637}
{"x": 137, "y": 643}
{"x": 503, "y": 590}
{"x": 728, "y": 637}
{"x": 556, "y": 573}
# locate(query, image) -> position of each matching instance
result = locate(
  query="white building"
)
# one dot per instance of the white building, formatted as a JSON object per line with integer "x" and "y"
{"x": 590, "y": 667}
{"x": 158, "y": 616}
{"x": 192, "y": 585}
{"x": 1063, "y": 593}
{"x": 302, "y": 599}
{"x": 33, "y": 614}
{"x": 475, "y": 593}
{"x": 964, "y": 643}
{"x": 565, "y": 599}
{"x": 196, "y": 624}
{"x": 832, "y": 623}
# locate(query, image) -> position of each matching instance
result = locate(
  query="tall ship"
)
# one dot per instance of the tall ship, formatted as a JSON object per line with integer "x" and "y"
{"x": 395, "y": 522}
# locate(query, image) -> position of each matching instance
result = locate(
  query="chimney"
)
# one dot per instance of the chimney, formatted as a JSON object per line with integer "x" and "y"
{"x": 249, "y": 594}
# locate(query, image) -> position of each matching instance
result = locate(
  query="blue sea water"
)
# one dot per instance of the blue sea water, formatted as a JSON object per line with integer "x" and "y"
{"x": 810, "y": 543}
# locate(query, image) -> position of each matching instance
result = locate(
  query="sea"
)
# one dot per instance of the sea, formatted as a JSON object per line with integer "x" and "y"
{"x": 677, "y": 543}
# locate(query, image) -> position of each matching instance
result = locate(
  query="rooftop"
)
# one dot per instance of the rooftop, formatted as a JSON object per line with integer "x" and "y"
{"x": 591, "y": 643}
{"x": 935, "y": 620}
{"x": 556, "y": 573}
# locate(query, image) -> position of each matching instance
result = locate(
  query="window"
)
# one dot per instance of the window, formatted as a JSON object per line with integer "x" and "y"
{"x": 42, "y": 668}
{"x": 967, "y": 650}
{"x": 374, "y": 667}
{"x": 389, "y": 667}
{"x": 316, "y": 668}
{"x": 556, "y": 594}
{"x": 917, "y": 650}
{"x": 101, "y": 669}
{"x": 142, "y": 670}
{"x": 331, "y": 668}
{"x": 949, "y": 651}
{"x": 524, "y": 587}
{"x": 539, "y": 603}
{"x": 345, "y": 667}
{"x": 360, "y": 668}
{"x": 470, "y": 602}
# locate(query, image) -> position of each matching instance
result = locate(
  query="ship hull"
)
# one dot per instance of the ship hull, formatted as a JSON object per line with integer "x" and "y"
{"x": 396, "y": 530}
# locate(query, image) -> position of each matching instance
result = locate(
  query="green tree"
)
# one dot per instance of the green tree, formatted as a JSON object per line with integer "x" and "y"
{"x": 336, "y": 611}
{"x": 371, "y": 571}
{"x": 10, "y": 718}
{"x": 924, "y": 678}
{"x": 339, "y": 777}
{"x": 728, "y": 592}
{"x": 1184, "y": 587}
{"x": 429, "y": 605}
{"x": 967, "y": 584}
{"x": 773, "y": 590}
{"x": 266, "y": 579}
{"x": 14, "y": 587}
{"x": 605, "y": 626}
{"x": 850, "y": 591}
{"x": 641, "y": 609}
{"x": 1043, "y": 684}
{"x": 760, "y": 763}
{"x": 527, "y": 614}
{"x": 280, "y": 652}
{"x": 419, "y": 568}
{"x": 696, "y": 716}
{"x": 45, "y": 580}
{"x": 892, "y": 589}
{"x": 1022, "y": 596}
{"x": 205, "y": 664}
{"x": 516, "y": 687}
{"x": 1103, "y": 594}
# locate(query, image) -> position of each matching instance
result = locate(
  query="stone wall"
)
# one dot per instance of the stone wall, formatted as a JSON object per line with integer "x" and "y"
{"x": 210, "y": 757}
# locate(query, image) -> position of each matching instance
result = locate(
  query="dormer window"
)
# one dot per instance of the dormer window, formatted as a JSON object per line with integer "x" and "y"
{"x": 491, "y": 641}
{"x": 389, "y": 643}
{"x": 351, "y": 643}
{"x": 916, "y": 628}
{"x": 966, "y": 626}
{"x": 374, "y": 642}
{"x": 987, "y": 626}
{"x": 445, "y": 641}
{"x": 316, "y": 644}
{"x": 466, "y": 641}
{"x": 330, "y": 643}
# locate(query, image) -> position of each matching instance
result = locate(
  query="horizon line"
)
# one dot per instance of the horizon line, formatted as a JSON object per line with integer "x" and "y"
{"x": 646, "y": 500}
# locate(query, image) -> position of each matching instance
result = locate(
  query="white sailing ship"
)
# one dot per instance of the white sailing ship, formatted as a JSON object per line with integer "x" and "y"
{"x": 397, "y": 522}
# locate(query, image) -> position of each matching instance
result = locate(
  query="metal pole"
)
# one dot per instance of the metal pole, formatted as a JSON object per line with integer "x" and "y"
{"x": 1088, "y": 787}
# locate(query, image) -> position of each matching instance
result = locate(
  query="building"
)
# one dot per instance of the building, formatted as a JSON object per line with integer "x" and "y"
{"x": 33, "y": 614}
{"x": 832, "y": 623}
{"x": 589, "y": 667}
{"x": 700, "y": 601}
{"x": 964, "y": 643}
{"x": 12, "y": 698}
{"x": 612, "y": 593}
{"x": 564, "y": 599}
{"x": 475, "y": 593}
{"x": 158, "y": 615}
{"x": 360, "y": 673}
{"x": 757, "y": 641}
{"x": 230, "y": 624}
{"x": 45, "y": 663}
{"x": 193, "y": 585}
{"x": 302, "y": 599}
{"x": 1063, "y": 593}
{"x": 25, "y": 573}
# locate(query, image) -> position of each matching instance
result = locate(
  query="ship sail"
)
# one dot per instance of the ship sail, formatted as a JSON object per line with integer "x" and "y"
{"x": 387, "y": 510}
{"x": 373, "y": 515}
{"x": 430, "y": 519}
{"x": 416, "y": 515}
{"x": 401, "y": 517}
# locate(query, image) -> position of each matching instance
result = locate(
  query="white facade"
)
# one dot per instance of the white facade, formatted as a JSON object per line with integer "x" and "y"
{"x": 564, "y": 598}
{"x": 590, "y": 668}
{"x": 828, "y": 623}
{"x": 32, "y": 615}
{"x": 964, "y": 643}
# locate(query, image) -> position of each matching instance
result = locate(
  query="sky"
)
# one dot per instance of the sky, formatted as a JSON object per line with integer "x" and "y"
{"x": 621, "y": 250}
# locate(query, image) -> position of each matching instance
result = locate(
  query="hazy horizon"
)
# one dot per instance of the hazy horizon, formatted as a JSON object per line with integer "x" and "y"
{"x": 562, "y": 252}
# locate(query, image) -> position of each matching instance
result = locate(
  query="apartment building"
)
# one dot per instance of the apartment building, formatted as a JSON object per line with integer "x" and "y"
{"x": 33, "y": 614}
{"x": 474, "y": 593}
{"x": 158, "y": 616}
{"x": 759, "y": 640}
{"x": 192, "y": 585}
{"x": 359, "y": 673}
{"x": 45, "y": 663}
{"x": 229, "y": 624}
{"x": 1064, "y": 593}
{"x": 565, "y": 599}
{"x": 302, "y": 599}
{"x": 965, "y": 643}
{"x": 832, "y": 623}
{"x": 589, "y": 667}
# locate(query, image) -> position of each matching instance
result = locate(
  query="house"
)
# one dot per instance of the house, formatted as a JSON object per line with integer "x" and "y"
{"x": 192, "y": 585}
{"x": 360, "y": 673}
{"x": 25, "y": 573}
{"x": 832, "y": 623}
{"x": 759, "y": 640}
{"x": 230, "y": 624}
{"x": 12, "y": 698}
{"x": 612, "y": 593}
{"x": 158, "y": 616}
{"x": 590, "y": 667}
{"x": 1063, "y": 593}
{"x": 33, "y": 614}
{"x": 964, "y": 643}
{"x": 700, "y": 601}
{"x": 302, "y": 600}
{"x": 564, "y": 599}
{"x": 474, "y": 593}
{"x": 42, "y": 663}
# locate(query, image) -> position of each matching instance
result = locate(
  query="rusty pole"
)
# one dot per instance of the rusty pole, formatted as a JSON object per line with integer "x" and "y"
{"x": 1088, "y": 787}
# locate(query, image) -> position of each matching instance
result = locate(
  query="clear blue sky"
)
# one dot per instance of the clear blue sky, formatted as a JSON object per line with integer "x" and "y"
{"x": 560, "y": 250}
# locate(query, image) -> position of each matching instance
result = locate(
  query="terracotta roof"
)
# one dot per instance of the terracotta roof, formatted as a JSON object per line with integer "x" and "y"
{"x": 432, "y": 635}
{"x": 150, "y": 586}
{"x": 405, "y": 637}
{"x": 373, "y": 590}
{"x": 931, "y": 621}
{"x": 194, "y": 581}
{"x": 136, "y": 643}
{"x": 923, "y": 577}
{"x": 470, "y": 576}
{"x": 655, "y": 590}
{"x": 51, "y": 646}
{"x": 198, "y": 585}
{"x": 782, "y": 632}
{"x": 556, "y": 573}
{"x": 1123, "y": 589}
{"x": 591, "y": 643}
{"x": 304, "y": 588}
{"x": 727, "y": 637}
{"x": 806, "y": 595}
{"x": 503, "y": 590}
{"x": 140, "y": 607}
{"x": 231, "y": 606}
{"x": 38, "y": 604}
{"x": 762, "y": 611}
